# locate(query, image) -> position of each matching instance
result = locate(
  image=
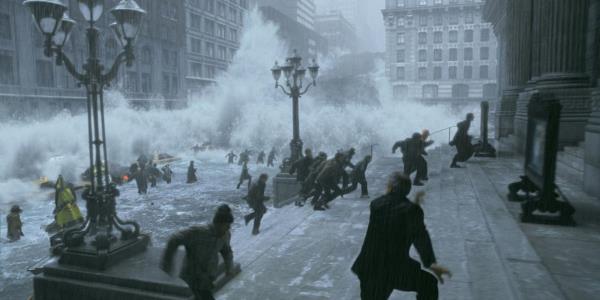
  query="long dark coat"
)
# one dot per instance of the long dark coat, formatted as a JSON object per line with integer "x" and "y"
{"x": 394, "y": 225}
{"x": 462, "y": 141}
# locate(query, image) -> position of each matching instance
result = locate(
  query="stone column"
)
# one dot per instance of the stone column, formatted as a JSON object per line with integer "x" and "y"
{"x": 524, "y": 23}
{"x": 506, "y": 107}
{"x": 592, "y": 145}
{"x": 561, "y": 66}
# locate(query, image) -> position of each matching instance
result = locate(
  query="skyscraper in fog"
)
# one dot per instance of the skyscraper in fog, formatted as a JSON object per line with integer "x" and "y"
{"x": 440, "y": 50}
{"x": 301, "y": 11}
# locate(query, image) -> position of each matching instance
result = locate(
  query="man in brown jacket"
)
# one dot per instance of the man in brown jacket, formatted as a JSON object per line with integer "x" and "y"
{"x": 202, "y": 245}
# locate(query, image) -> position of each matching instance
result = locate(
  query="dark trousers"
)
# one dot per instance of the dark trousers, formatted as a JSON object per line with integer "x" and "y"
{"x": 421, "y": 282}
{"x": 364, "y": 190}
{"x": 330, "y": 191}
{"x": 418, "y": 164}
{"x": 203, "y": 294}
{"x": 257, "y": 215}
{"x": 243, "y": 178}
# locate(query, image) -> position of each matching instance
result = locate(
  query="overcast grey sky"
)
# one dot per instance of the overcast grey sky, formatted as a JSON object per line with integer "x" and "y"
{"x": 372, "y": 37}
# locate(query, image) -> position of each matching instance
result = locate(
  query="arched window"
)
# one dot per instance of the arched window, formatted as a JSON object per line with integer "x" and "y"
{"x": 460, "y": 91}
{"x": 430, "y": 91}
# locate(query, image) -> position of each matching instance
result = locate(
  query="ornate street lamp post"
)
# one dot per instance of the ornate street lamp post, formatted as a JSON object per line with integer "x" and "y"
{"x": 294, "y": 75}
{"x": 94, "y": 244}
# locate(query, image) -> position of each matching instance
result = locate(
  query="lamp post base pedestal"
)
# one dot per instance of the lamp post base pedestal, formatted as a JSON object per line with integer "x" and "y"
{"x": 135, "y": 278}
{"x": 88, "y": 257}
{"x": 285, "y": 189}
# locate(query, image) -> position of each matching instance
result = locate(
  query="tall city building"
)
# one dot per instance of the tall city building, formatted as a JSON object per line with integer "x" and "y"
{"x": 350, "y": 9}
{"x": 440, "y": 51}
{"x": 212, "y": 33}
{"x": 339, "y": 33}
{"x": 32, "y": 86}
{"x": 301, "y": 11}
{"x": 296, "y": 22}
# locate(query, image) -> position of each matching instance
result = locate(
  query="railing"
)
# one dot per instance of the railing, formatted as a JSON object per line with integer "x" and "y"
{"x": 442, "y": 130}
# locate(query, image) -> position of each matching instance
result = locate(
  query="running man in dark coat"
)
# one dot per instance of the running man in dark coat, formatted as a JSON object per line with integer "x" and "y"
{"x": 302, "y": 165}
{"x": 412, "y": 150}
{"x": 245, "y": 176}
{"x": 256, "y": 199}
{"x": 202, "y": 247}
{"x": 153, "y": 174}
{"x": 423, "y": 171}
{"x": 271, "y": 158}
{"x": 462, "y": 142}
{"x": 384, "y": 263}
{"x": 261, "y": 158}
{"x": 14, "y": 229}
{"x": 327, "y": 181}
{"x": 358, "y": 176}
{"x": 191, "y": 173}
{"x": 308, "y": 185}
{"x": 141, "y": 179}
{"x": 167, "y": 173}
{"x": 230, "y": 157}
{"x": 348, "y": 155}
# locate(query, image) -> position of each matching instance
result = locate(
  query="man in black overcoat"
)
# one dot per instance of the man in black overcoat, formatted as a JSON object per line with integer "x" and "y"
{"x": 462, "y": 142}
{"x": 384, "y": 263}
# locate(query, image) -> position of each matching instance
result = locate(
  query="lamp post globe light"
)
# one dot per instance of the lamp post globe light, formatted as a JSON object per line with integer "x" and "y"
{"x": 294, "y": 75}
{"x": 94, "y": 244}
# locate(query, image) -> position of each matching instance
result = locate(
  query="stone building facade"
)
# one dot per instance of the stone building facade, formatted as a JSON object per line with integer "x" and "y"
{"x": 213, "y": 30}
{"x": 550, "y": 47}
{"x": 440, "y": 51}
{"x": 31, "y": 85}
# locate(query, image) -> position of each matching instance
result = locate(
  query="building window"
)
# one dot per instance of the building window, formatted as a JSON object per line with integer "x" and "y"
{"x": 400, "y": 90}
{"x": 452, "y": 54}
{"x": 400, "y": 73}
{"x": 452, "y": 72}
{"x": 166, "y": 84}
{"x": 484, "y": 53}
{"x": 430, "y": 91}
{"x": 196, "y": 45}
{"x": 174, "y": 85}
{"x": 210, "y": 71}
{"x": 233, "y": 15}
{"x": 453, "y": 36}
{"x": 422, "y": 2}
{"x": 483, "y": 72}
{"x": 468, "y": 72}
{"x": 422, "y": 55}
{"x": 468, "y": 54}
{"x": 437, "y": 54}
{"x": 469, "y": 18}
{"x": 196, "y": 21}
{"x": 468, "y": 36}
{"x": 221, "y": 31}
{"x": 437, "y": 37}
{"x": 423, "y": 19}
{"x": 460, "y": 91}
{"x": 5, "y": 28}
{"x": 438, "y": 19}
{"x": 6, "y": 68}
{"x": 210, "y": 6}
{"x": 422, "y": 38}
{"x": 437, "y": 73}
{"x": 44, "y": 73}
{"x": 233, "y": 35}
{"x": 400, "y": 38}
{"x": 437, "y": 2}
{"x": 221, "y": 9}
{"x": 210, "y": 49}
{"x": 209, "y": 27}
{"x": 195, "y": 3}
{"x": 453, "y": 18}
{"x": 485, "y": 35}
{"x": 146, "y": 56}
{"x": 400, "y": 55}
{"x": 222, "y": 53}
{"x": 131, "y": 82}
{"x": 400, "y": 21}
{"x": 400, "y": 3}
{"x": 422, "y": 73}
{"x": 196, "y": 69}
{"x": 146, "y": 83}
